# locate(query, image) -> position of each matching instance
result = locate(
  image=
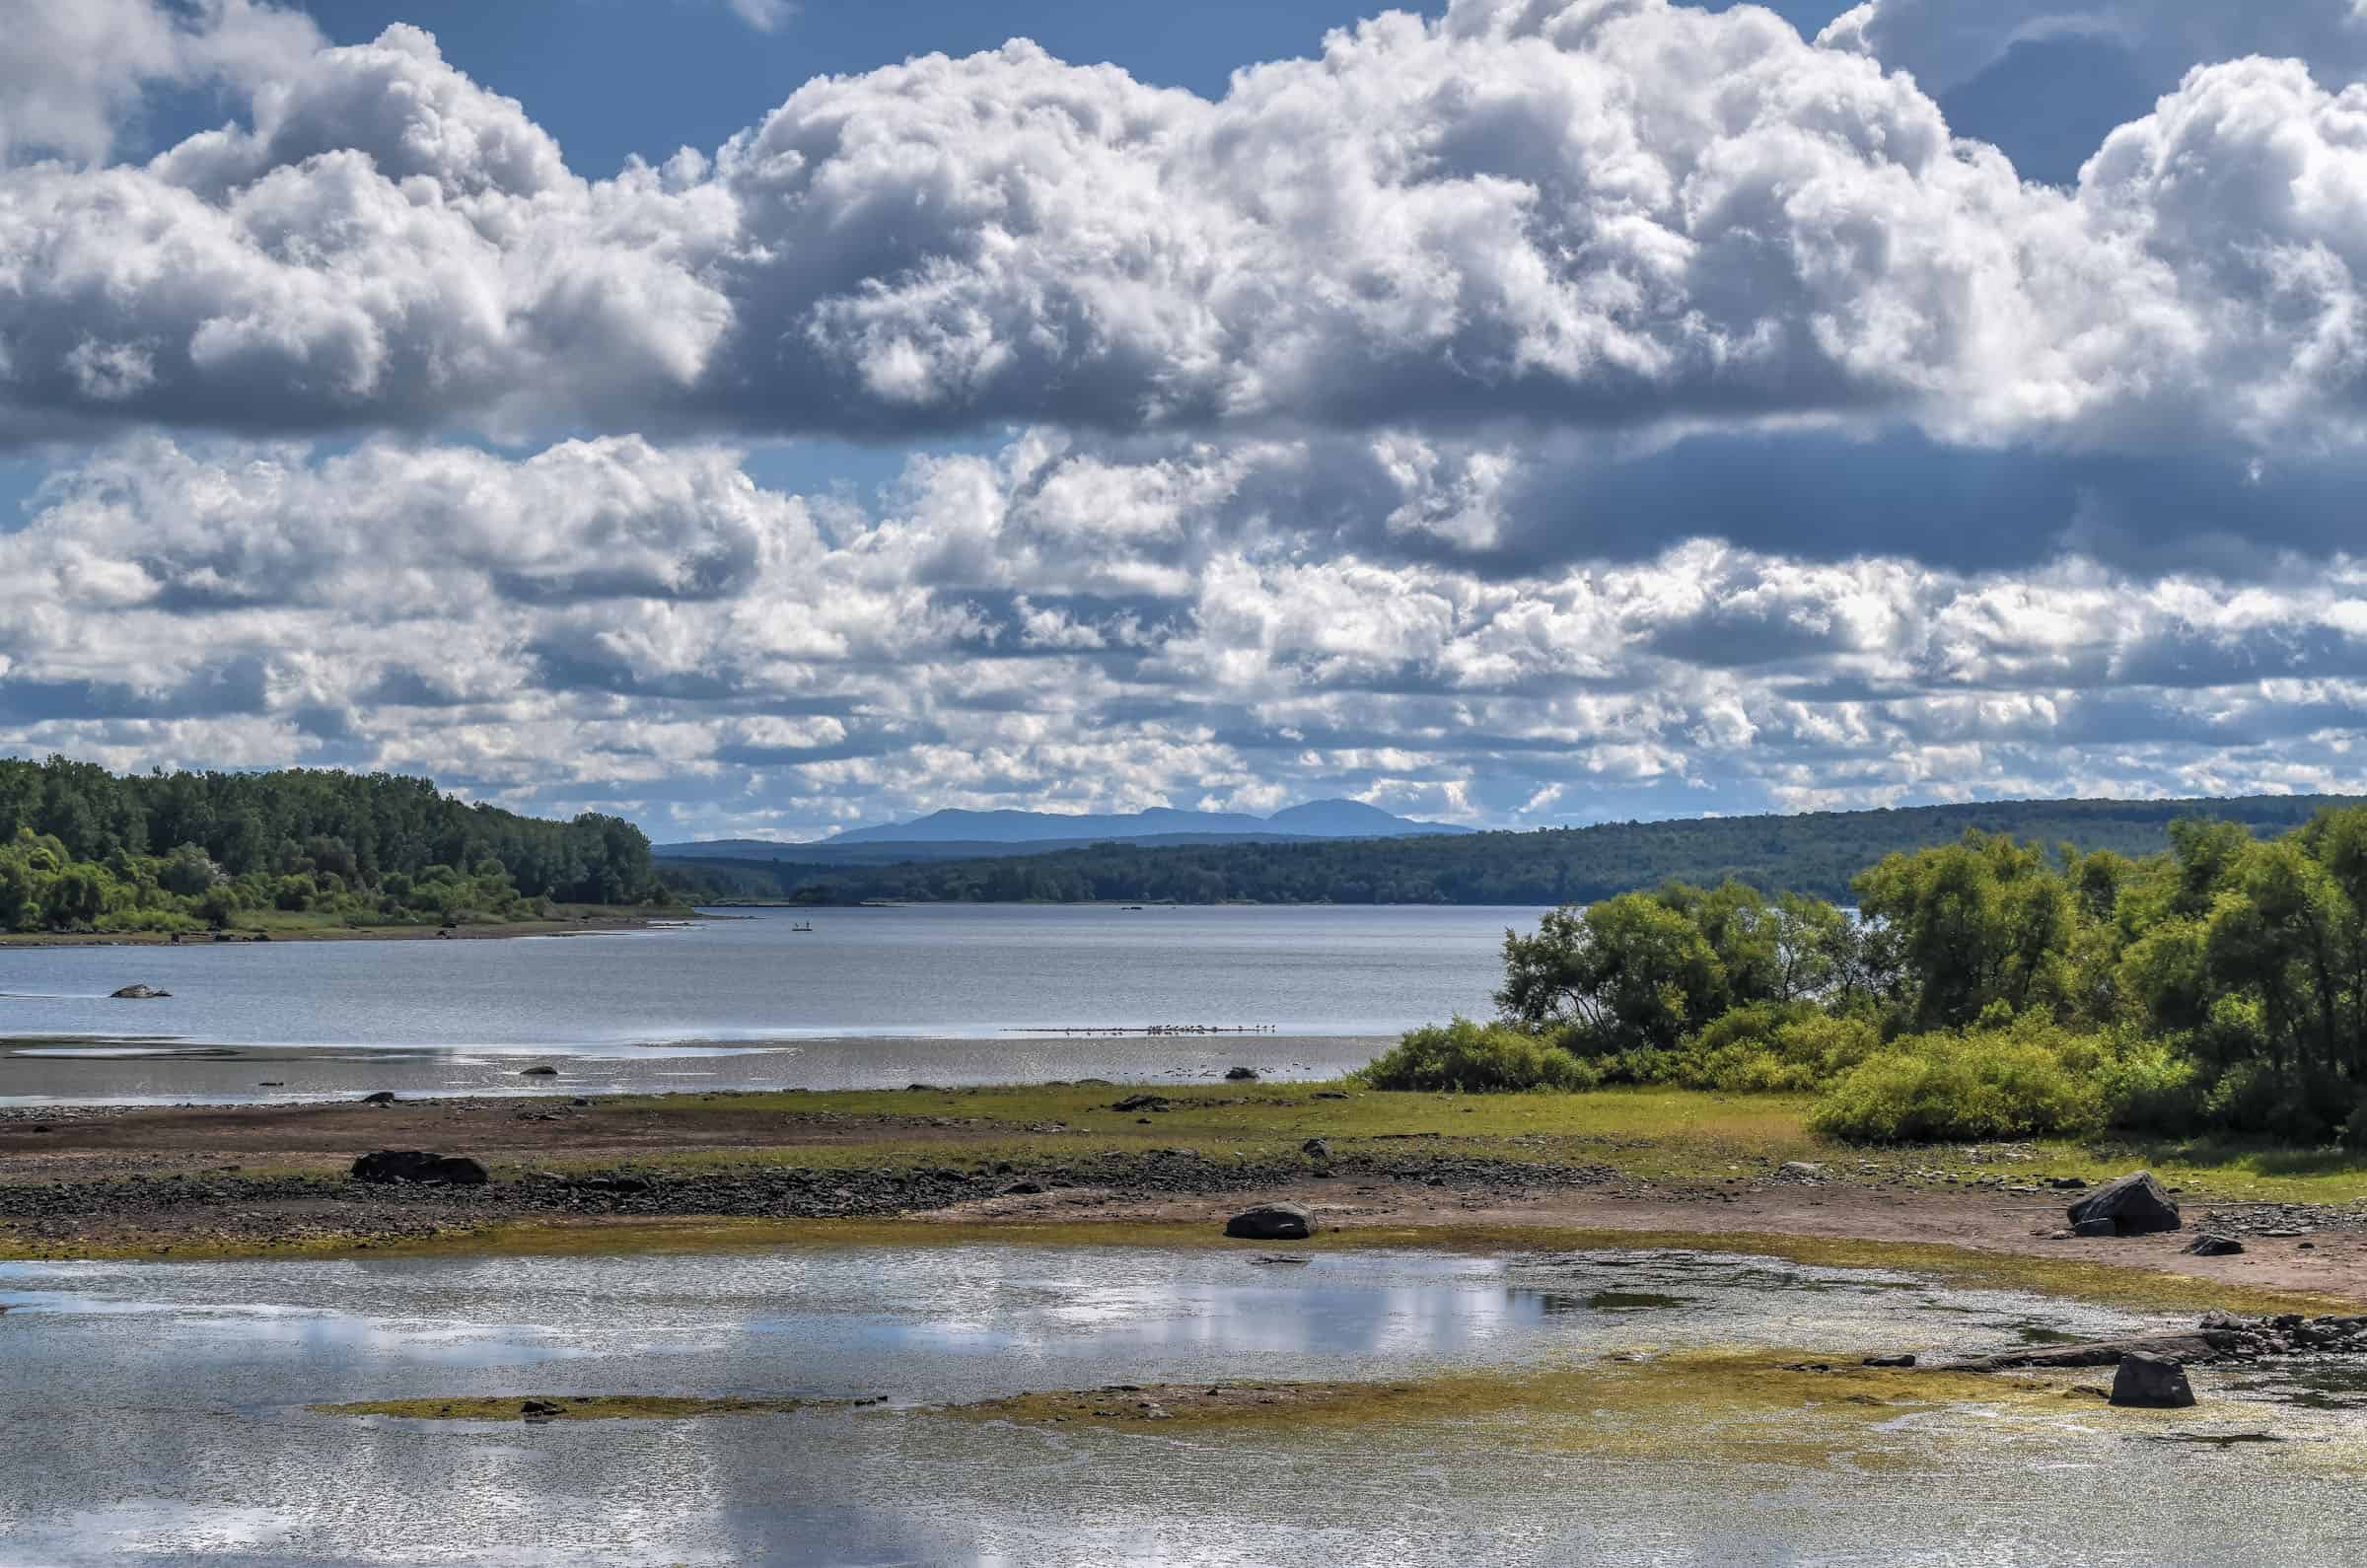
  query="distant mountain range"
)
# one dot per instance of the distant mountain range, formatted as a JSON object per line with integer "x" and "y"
{"x": 950, "y": 834}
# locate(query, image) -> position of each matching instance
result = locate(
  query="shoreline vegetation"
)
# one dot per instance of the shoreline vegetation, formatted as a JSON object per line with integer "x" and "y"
{"x": 298, "y": 854}
{"x": 1988, "y": 989}
{"x": 558, "y": 920}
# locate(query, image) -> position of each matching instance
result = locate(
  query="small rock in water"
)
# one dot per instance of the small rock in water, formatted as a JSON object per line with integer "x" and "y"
{"x": 138, "y": 993}
{"x": 385, "y": 1097}
{"x": 2151, "y": 1383}
{"x": 538, "y": 1072}
{"x": 2136, "y": 1204}
{"x": 2214, "y": 1247}
{"x": 1274, "y": 1222}
{"x": 1240, "y": 1075}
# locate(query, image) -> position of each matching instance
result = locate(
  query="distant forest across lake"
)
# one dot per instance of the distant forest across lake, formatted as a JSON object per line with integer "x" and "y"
{"x": 1815, "y": 853}
{"x": 84, "y": 850}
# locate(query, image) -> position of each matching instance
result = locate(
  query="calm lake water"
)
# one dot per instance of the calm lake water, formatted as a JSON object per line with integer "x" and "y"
{"x": 869, "y": 997}
{"x": 153, "y": 1414}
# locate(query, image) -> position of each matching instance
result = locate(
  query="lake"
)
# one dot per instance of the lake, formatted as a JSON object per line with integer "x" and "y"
{"x": 157, "y": 1413}
{"x": 868, "y": 998}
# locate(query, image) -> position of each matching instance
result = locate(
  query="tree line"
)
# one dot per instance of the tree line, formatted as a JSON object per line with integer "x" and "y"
{"x": 81, "y": 848}
{"x": 1817, "y": 854}
{"x": 1988, "y": 988}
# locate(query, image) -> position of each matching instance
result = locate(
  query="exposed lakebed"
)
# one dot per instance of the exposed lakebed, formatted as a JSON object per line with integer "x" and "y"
{"x": 160, "y": 1410}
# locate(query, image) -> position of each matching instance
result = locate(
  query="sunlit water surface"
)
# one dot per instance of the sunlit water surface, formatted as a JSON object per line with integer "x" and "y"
{"x": 155, "y": 1413}
{"x": 868, "y": 998}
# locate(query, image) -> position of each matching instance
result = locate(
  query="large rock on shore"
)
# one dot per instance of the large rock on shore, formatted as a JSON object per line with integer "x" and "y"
{"x": 2136, "y": 1204}
{"x": 420, "y": 1167}
{"x": 2151, "y": 1383}
{"x": 1272, "y": 1222}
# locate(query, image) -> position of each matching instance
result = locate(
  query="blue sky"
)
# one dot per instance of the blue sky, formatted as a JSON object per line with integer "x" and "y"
{"x": 1537, "y": 411}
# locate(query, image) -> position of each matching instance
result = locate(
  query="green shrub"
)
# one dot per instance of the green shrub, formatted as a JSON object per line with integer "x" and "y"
{"x": 1934, "y": 1088}
{"x": 2291, "y": 1106}
{"x": 1464, "y": 1055}
{"x": 2153, "y": 1086}
{"x": 1773, "y": 1048}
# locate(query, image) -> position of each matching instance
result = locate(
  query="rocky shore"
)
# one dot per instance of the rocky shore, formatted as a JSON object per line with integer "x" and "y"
{"x": 229, "y": 1205}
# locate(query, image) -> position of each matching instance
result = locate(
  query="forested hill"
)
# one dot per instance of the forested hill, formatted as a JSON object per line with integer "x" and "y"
{"x": 1817, "y": 853}
{"x": 83, "y": 849}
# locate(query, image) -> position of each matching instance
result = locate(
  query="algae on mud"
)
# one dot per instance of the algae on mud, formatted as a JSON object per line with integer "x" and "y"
{"x": 1782, "y": 1408}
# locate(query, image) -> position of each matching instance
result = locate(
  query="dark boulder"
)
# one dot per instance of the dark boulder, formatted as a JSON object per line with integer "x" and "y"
{"x": 1272, "y": 1222}
{"x": 138, "y": 993}
{"x": 385, "y": 1097}
{"x": 420, "y": 1167}
{"x": 2214, "y": 1247}
{"x": 2151, "y": 1383}
{"x": 1240, "y": 1075}
{"x": 538, "y": 1072}
{"x": 1316, "y": 1149}
{"x": 2137, "y": 1205}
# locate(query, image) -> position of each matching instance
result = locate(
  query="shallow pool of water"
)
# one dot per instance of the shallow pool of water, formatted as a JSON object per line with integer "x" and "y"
{"x": 155, "y": 1412}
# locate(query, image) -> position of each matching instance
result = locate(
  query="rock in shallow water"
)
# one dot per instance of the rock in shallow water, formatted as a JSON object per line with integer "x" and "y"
{"x": 1272, "y": 1222}
{"x": 138, "y": 993}
{"x": 2136, "y": 1204}
{"x": 2151, "y": 1383}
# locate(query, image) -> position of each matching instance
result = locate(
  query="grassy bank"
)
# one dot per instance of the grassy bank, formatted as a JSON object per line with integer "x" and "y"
{"x": 1673, "y": 1135}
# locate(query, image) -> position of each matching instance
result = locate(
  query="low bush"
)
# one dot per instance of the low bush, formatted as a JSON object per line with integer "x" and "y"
{"x": 1464, "y": 1055}
{"x": 2288, "y": 1105}
{"x": 2153, "y": 1086}
{"x": 1993, "y": 1084}
{"x": 1771, "y": 1048}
